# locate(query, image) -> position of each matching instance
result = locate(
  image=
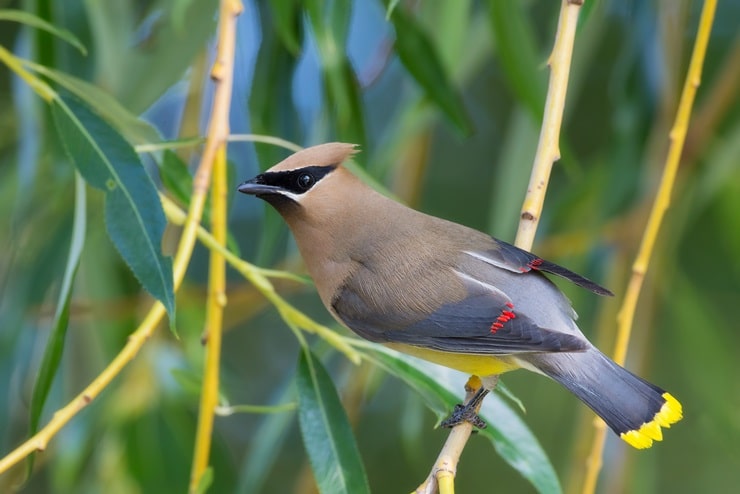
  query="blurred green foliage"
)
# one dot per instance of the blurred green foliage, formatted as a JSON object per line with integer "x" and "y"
{"x": 446, "y": 99}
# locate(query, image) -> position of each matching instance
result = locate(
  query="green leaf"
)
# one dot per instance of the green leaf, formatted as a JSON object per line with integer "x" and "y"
{"x": 271, "y": 107}
{"x": 330, "y": 24}
{"x": 55, "y": 345}
{"x": 205, "y": 481}
{"x": 440, "y": 389}
{"x": 38, "y": 23}
{"x": 133, "y": 128}
{"x": 392, "y": 4}
{"x": 190, "y": 382}
{"x": 272, "y": 112}
{"x": 134, "y": 217}
{"x": 509, "y": 183}
{"x": 418, "y": 55}
{"x": 226, "y": 410}
{"x": 344, "y": 98}
{"x": 287, "y": 21}
{"x": 176, "y": 177}
{"x": 516, "y": 444}
{"x": 327, "y": 435}
{"x": 44, "y": 44}
{"x": 139, "y": 74}
{"x": 264, "y": 449}
{"x": 514, "y": 36}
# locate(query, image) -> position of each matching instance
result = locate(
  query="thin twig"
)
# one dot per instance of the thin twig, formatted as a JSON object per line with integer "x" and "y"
{"x": 660, "y": 205}
{"x": 548, "y": 151}
{"x": 218, "y": 133}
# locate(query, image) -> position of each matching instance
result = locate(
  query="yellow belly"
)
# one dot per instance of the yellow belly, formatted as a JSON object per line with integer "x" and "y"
{"x": 479, "y": 365}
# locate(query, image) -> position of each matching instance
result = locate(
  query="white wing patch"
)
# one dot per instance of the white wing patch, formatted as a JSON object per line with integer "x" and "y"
{"x": 482, "y": 257}
{"x": 483, "y": 284}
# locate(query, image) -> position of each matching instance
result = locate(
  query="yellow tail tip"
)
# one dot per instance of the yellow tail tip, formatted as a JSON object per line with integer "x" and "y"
{"x": 670, "y": 413}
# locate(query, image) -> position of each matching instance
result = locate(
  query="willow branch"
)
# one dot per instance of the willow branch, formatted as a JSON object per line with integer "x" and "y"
{"x": 215, "y": 152}
{"x": 548, "y": 151}
{"x": 548, "y": 147}
{"x": 662, "y": 201}
{"x": 213, "y": 330}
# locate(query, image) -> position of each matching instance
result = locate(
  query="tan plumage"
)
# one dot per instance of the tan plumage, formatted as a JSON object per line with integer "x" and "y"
{"x": 445, "y": 292}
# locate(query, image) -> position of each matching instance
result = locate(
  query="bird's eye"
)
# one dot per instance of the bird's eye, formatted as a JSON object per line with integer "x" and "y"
{"x": 305, "y": 181}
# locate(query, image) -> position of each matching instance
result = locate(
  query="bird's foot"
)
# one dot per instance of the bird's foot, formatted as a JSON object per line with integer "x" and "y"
{"x": 467, "y": 412}
{"x": 464, "y": 413}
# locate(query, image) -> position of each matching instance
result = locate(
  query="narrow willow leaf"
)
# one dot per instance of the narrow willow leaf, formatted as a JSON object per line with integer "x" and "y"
{"x": 176, "y": 177}
{"x": 327, "y": 435}
{"x": 36, "y": 22}
{"x": 190, "y": 382}
{"x": 265, "y": 446}
{"x": 271, "y": 89}
{"x": 440, "y": 389}
{"x": 139, "y": 73}
{"x": 286, "y": 19}
{"x": 226, "y": 410}
{"x": 344, "y": 90}
{"x": 205, "y": 481}
{"x": 434, "y": 396}
{"x": 516, "y": 49}
{"x": 418, "y": 55}
{"x": 330, "y": 24}
{"x": 392, "y": 4}
{"x": 516, "y": 444}
{"x": 55, "y": 345}
{"x": 133, "y": 128}
{"x": 134, "y": 217}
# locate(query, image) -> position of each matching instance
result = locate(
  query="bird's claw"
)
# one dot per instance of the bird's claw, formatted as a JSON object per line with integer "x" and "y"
{"x": 464, "y": 413}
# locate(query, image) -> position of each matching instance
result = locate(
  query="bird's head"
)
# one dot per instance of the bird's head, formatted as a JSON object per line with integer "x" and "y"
{"x": 302, "y": 178}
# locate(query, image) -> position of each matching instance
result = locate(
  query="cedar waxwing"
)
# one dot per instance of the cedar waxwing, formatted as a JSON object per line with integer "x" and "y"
{"x": 447, "y": 293}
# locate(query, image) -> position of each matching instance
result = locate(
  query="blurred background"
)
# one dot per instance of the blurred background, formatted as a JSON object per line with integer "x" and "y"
{"x": 453, "y": 135}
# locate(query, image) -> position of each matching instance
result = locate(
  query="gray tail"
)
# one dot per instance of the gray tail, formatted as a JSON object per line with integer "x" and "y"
{"x": 632, "y": 407}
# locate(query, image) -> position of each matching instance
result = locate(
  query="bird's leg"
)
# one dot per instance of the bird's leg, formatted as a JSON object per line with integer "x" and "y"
{"x": 468, "y": 412}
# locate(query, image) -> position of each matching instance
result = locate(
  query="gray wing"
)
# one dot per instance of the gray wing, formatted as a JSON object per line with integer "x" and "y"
{"x": 514, "y": 259}
{"x": 484, "y": 321}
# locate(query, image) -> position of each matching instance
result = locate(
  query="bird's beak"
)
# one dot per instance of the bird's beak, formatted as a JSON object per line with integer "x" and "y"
{"x": 256, "y": 188}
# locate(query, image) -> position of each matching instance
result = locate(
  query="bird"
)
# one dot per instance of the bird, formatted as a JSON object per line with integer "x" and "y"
{"x": 447, "y": 293}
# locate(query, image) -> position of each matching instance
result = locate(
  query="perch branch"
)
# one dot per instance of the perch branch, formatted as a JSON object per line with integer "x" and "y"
{"x": 548, "y": 151}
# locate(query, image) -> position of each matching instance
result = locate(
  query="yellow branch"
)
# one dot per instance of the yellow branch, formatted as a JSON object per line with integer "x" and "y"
{"x": 215, "y": 153}
{"x": 214, "y": 324}
{"x": 548, "y": 147}
{"x": 548, "y": 151}
{"x": 662, "y": 201}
